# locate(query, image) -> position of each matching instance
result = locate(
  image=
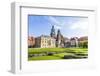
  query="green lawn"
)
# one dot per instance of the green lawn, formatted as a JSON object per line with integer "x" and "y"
{"x": 40, "y": 50}
{"x": 62, "y": 54}
{"x": 58, "y": 53}
{"x": 44, "y": 58}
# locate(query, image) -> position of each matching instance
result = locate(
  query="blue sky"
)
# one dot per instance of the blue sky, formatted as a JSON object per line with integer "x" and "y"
{"x": 70, "y": 26}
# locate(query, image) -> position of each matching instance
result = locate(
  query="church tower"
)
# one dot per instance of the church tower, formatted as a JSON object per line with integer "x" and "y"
{"x": 52, "y": 34}
{"x": 58, "y": 38}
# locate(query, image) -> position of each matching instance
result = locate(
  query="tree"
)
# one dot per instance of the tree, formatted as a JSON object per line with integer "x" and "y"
{"x": 83, "y": 44}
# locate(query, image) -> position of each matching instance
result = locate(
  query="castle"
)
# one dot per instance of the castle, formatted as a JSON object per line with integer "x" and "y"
{"x": 53, "y": 40}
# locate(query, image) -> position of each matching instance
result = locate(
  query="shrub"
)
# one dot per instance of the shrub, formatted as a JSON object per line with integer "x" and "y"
{"x": 50, "y": 53}
{"x": 68, "y": 57}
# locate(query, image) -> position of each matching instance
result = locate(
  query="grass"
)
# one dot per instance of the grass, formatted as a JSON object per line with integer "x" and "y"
{"x": 44, "y": 58}
{"x": 62, "y": 54}
{"x": 59, "y": 53}
{"x": 41, "y": 50}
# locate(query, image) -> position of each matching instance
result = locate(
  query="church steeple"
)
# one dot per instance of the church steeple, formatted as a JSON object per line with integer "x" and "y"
{"x": 58, "y": 35}
{"x": 59, "y": 38}
{"x": 52, "y": 34}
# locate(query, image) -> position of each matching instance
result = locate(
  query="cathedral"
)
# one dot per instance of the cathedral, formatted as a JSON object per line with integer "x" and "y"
{"x": 55, "y": 39}
{"x": 59, "y": 37}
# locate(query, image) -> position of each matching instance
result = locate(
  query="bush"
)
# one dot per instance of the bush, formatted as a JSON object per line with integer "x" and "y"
{"x": 30, "y": 55}
{"x": 68, "y": 57}
{"x": 83, "y": 44}
{"x": 50, "y": 53}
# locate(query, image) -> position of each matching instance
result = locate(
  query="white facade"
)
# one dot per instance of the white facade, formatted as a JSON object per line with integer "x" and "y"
{"x": 45, "y": 42}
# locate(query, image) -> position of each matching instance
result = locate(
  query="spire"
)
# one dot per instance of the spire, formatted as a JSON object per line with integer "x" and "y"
{"x": 58, "y": 32}
{"x": 52, "y": 34}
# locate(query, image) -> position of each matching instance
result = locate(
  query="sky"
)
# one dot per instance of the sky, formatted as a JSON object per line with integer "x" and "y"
{"x": 70, "y": 26}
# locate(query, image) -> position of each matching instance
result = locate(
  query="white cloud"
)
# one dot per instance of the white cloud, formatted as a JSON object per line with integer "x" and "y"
{"x": 57, "y": 27}
{"x": 55, "y": 22}
{"x": 81, "y": 25}
{"x": 52, "y": 19}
